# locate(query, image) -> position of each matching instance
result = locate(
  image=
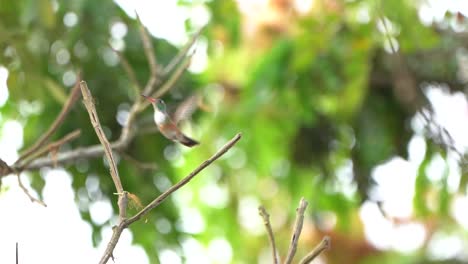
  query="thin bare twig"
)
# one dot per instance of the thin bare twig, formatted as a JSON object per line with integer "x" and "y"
{"x": 67, "y": 138}
{"x": 174, "y": 78}
{"x": 53, "y": 146}
{"x": 17, "y": 253}
{"x": 89, "y": 104}
{"x": 323, "y": 245}
{"x": 184, "y": 181}
{"x": 147, "y": 46}
{"x": 152, "y": 81}
{"x": 169, "y": 83}
{"x": 297, "y": 230}
{"x": 81, "y": 152}
{"x": 182, "y": 53}
{"x": 139, "y": 164}
{"x": 26, "y": 191}
{"x": 130, "y": 72}
{"x": 266, "y": 220}
{"x": 150, "y": 56}
{"x": 117, "y": 230}
{"x": 72, "y": 98}
{"x": 63, "y": 158}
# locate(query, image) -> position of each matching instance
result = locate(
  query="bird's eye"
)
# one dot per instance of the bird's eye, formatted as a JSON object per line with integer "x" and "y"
{"x": 161, "y": 105}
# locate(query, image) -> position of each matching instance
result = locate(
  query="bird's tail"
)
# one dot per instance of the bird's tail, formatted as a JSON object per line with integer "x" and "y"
{"x": 186, "y": 141}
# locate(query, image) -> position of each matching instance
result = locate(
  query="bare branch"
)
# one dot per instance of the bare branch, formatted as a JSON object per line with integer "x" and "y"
{"x": 266, "y": 220}
{"x": 72, "y": 98}
{"x": 182, "y": 53}
{"x": 53, "y": 146}
{"x": 147, "y": 47}
{"x": 117, "y": 230}
{"x": 174, "y": 78}
{"x": 131, "y": 74}
{"x": 324, "y": 244}
{"x": 297, "y": 230}
{"x": 150, "y": 56}
{"x": 89, "y": 104}
{"x": 82, "y": 152}
{"x": 67, "y": 138}
{"x": 26, "y": 191}
{"x": 153, "y": 80}
{"x": 64, "y": 158}
{"x": 127, "y": 134}
{"x": 169, "y": 83}
{"x": 184, "y": 181}
{"x": 139, "y": 164}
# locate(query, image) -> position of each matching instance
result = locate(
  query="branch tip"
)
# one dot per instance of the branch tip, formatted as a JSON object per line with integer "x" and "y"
{"x": 325, "y": 244}
{"x": 297, "y": 230}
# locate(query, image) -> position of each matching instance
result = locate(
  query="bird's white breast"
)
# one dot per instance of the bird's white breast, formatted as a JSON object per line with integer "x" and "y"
{"x": 159, "y": 117}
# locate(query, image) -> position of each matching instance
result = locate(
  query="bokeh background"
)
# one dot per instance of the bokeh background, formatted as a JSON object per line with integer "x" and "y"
{"x": 357, "y": 106}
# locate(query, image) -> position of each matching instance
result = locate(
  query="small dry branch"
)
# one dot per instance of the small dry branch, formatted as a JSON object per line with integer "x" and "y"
{"x": 297, "y": 230}
{"x": 124, "y": 223}
{"x": 89, "y": 104}
{"x": 266, "y": 221}
{"x": 72, "y": 98}
{"x": 324, "y": 244}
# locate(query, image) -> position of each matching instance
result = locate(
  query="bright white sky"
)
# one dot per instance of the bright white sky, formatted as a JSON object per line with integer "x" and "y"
{"x": 57, "y": 234}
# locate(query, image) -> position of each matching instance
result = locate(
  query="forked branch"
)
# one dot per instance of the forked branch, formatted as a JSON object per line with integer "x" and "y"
{"x": 324, "y": 244}
{"x": 72, "y": 98}
{"x": 117, "y": 230}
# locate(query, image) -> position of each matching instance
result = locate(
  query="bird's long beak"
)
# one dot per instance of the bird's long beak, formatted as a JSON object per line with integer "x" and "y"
{"x": 151, "y": 99}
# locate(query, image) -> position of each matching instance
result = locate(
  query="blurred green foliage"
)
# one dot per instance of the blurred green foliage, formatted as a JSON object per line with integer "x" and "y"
{"x": 313, "y": 94}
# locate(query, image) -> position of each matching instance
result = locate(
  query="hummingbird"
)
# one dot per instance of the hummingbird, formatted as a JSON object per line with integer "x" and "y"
{"x": 166, "y": 126}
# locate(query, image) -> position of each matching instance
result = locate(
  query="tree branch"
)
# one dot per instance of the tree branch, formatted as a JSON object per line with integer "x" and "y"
{"x": 130, "y": 72}
{"x": 89, "y": 104}
{"x": 147, "y": 47}
{"x": 150, "y": 56}
{"x": 324, "y": 244}
{"x": 139, "y": 164}
{"x": 117, "y": 230}
{"x": 26, "y": 191}
{"x": 174, "y": 78}
{"x": 266, "y": 220}
{"x": 297, "y": 230}
{"x": 65, "y": 157}
{"x": 54, "y": 145}
{"x": 184, "y": 181}
{"x": 169, "y": 83}
{"x": 72, "y": 98}
{"x": 182, "y": 53}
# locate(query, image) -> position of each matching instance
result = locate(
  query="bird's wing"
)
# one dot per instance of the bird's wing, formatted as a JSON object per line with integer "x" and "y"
{"x": 186, "y": 109}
